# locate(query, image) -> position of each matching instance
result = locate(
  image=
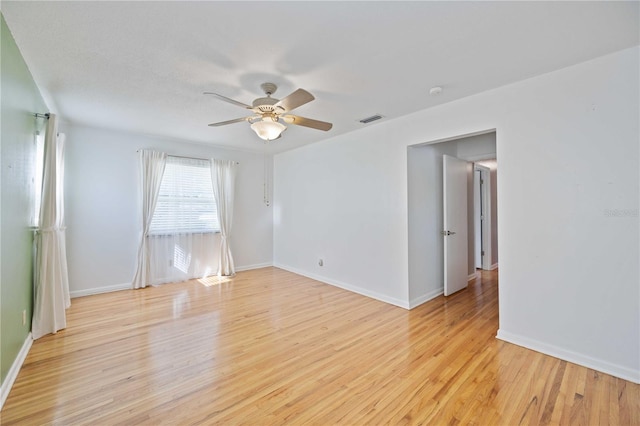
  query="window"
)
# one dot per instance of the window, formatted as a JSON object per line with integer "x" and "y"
{"x": 185, "y": 203}
{"x": 37, "y": 177}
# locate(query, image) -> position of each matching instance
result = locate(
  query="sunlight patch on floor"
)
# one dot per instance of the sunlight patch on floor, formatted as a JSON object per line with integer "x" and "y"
{"x": 214, "y": 280}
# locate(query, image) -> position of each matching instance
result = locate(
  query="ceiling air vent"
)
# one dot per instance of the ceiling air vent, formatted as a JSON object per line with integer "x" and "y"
{"x": 370, "y": 119}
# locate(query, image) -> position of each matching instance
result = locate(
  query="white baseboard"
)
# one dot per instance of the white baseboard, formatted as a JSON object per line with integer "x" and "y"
{"x": 355, "y": 289}
{"x": 12, "y": 374}
{"x": 493, "y": 267}
{"x": 255, "y": 266}
{"x": 127, "y": 286}
{"x": 574, "y": 357}
{"x": 425, "y": 298}
{"x": 99, "y": 290}
{"x": 473, "y": 276}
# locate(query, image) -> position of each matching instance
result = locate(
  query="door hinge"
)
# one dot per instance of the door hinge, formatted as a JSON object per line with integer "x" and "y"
{"x": 482, "y": 253}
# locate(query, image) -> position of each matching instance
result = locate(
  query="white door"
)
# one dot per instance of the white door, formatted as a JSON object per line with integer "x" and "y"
{"x": 455, "y": 224}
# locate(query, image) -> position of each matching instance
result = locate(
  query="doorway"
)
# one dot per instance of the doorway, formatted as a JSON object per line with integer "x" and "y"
{"x": 482, "y": 216}
{"x": 486, "y": 214}
{"x": 425, "y": 209}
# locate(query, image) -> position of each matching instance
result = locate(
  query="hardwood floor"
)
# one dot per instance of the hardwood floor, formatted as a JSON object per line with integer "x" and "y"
{"x": 272, "y": 347}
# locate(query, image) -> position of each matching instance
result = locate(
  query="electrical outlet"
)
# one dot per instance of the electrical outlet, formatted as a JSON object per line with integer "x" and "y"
{"x": 24, "y": 317}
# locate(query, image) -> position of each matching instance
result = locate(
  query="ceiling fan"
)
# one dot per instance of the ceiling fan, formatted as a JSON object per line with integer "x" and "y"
{"x": 270, "y": 113}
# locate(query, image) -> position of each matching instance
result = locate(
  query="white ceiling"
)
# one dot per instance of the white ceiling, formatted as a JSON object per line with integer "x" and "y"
{"x": 142, "y": 66}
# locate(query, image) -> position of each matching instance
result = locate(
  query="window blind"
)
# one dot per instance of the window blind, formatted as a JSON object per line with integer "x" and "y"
{"x": 185, "y": 201}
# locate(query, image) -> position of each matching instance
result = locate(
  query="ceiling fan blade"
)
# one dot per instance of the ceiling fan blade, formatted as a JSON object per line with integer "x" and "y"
{"x": 231, "y": 101}
{"x": 237, "y": 120}
{"x": 294, "y": 100}
{"x": 307, "y": 122}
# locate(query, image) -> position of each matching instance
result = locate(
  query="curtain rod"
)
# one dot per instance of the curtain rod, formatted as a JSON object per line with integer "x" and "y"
{"x": 189, "y": 158}
{"x": 37, "y": 115}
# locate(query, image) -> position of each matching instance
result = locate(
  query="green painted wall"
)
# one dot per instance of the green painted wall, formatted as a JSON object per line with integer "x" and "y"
{"x": 20, "y": 98}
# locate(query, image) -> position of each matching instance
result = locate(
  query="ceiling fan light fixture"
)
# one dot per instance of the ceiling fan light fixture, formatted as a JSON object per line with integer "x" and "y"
{"x": 268, "y": 129}
{"x": 269, "y": 112}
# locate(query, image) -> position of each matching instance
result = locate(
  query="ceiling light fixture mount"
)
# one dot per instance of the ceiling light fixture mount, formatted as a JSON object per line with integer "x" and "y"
{"x": 435, "y": 91}
{"x": 270, "y": 113}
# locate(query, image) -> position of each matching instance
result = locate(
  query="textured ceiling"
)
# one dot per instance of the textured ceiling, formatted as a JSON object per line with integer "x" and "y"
{"x": 142, "y": 66}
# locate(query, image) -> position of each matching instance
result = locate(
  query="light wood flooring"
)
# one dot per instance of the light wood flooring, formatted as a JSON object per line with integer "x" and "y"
{"x": 272, "y": 347}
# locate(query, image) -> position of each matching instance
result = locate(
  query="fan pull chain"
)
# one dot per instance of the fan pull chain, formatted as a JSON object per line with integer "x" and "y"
{"x": 265, "y": 184}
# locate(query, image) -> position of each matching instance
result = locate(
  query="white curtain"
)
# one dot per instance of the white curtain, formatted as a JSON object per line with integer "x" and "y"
{"x": 51, "y": 276}
{"x": 223, "y": 176}
{"x": 152, "y": 166}
{"x": 182, "y": 256}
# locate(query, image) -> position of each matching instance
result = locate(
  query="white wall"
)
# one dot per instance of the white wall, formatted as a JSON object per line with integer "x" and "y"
{"x": 340, "y": 200}
{"x": 568, "y": 267}
{"x": 471, "y": 230}
{"x": 477, "y": 147}
{"x": 102, "y": 206}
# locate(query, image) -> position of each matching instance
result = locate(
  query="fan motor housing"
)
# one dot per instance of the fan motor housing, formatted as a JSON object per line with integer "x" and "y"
{"x": 264, "y": 102}
{"x": 266, "y": 105}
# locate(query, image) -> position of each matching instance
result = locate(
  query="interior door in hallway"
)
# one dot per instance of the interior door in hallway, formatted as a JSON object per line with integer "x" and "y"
{"x": 455, "y": 236}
